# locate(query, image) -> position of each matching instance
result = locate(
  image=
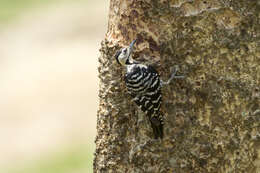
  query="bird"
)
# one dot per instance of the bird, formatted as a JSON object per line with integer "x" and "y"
{"x": 144, "y": 85}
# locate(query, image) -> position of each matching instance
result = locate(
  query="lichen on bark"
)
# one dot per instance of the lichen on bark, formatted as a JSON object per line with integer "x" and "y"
{"x": 212, "y": 116}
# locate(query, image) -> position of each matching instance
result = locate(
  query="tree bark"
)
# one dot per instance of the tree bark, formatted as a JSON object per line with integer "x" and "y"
{"x": 212, "y": 116}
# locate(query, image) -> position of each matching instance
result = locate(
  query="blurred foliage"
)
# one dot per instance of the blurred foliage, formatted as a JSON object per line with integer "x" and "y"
{"x": 12, "y": 8}
{"x": 77, "y": 159}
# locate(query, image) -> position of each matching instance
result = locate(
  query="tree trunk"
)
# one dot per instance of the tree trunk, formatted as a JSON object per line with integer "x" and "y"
{"x": 212, "y": 115}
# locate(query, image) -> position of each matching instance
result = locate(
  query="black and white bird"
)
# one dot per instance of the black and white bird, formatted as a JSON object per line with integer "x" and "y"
{"x": 144, "y": 85}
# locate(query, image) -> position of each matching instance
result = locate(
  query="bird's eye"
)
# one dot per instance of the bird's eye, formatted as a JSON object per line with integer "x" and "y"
{"x": 125, "y": 50}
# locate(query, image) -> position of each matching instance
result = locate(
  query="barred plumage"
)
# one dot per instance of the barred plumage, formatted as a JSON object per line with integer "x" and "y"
{"x": 144, "y": 85}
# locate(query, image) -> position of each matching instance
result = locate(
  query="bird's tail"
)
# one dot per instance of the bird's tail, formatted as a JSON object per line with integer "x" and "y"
{"x": 157, "y": 126}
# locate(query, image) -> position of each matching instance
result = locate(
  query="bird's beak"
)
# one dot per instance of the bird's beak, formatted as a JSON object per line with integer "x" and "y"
{"x": 131, "y": 46}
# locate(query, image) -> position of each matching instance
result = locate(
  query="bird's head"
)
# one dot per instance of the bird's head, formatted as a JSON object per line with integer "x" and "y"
{"x": 124, "y": 55}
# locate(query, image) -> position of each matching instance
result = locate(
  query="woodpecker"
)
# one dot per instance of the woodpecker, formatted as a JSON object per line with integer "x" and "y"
{"x": 144, "y": 85}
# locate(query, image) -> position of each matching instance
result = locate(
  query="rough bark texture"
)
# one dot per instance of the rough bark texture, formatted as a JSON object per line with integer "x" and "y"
{"x": 212, "y": 116}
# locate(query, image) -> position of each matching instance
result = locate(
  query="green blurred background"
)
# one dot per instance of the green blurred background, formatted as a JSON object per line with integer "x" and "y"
{"x": 49, "y": 84}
